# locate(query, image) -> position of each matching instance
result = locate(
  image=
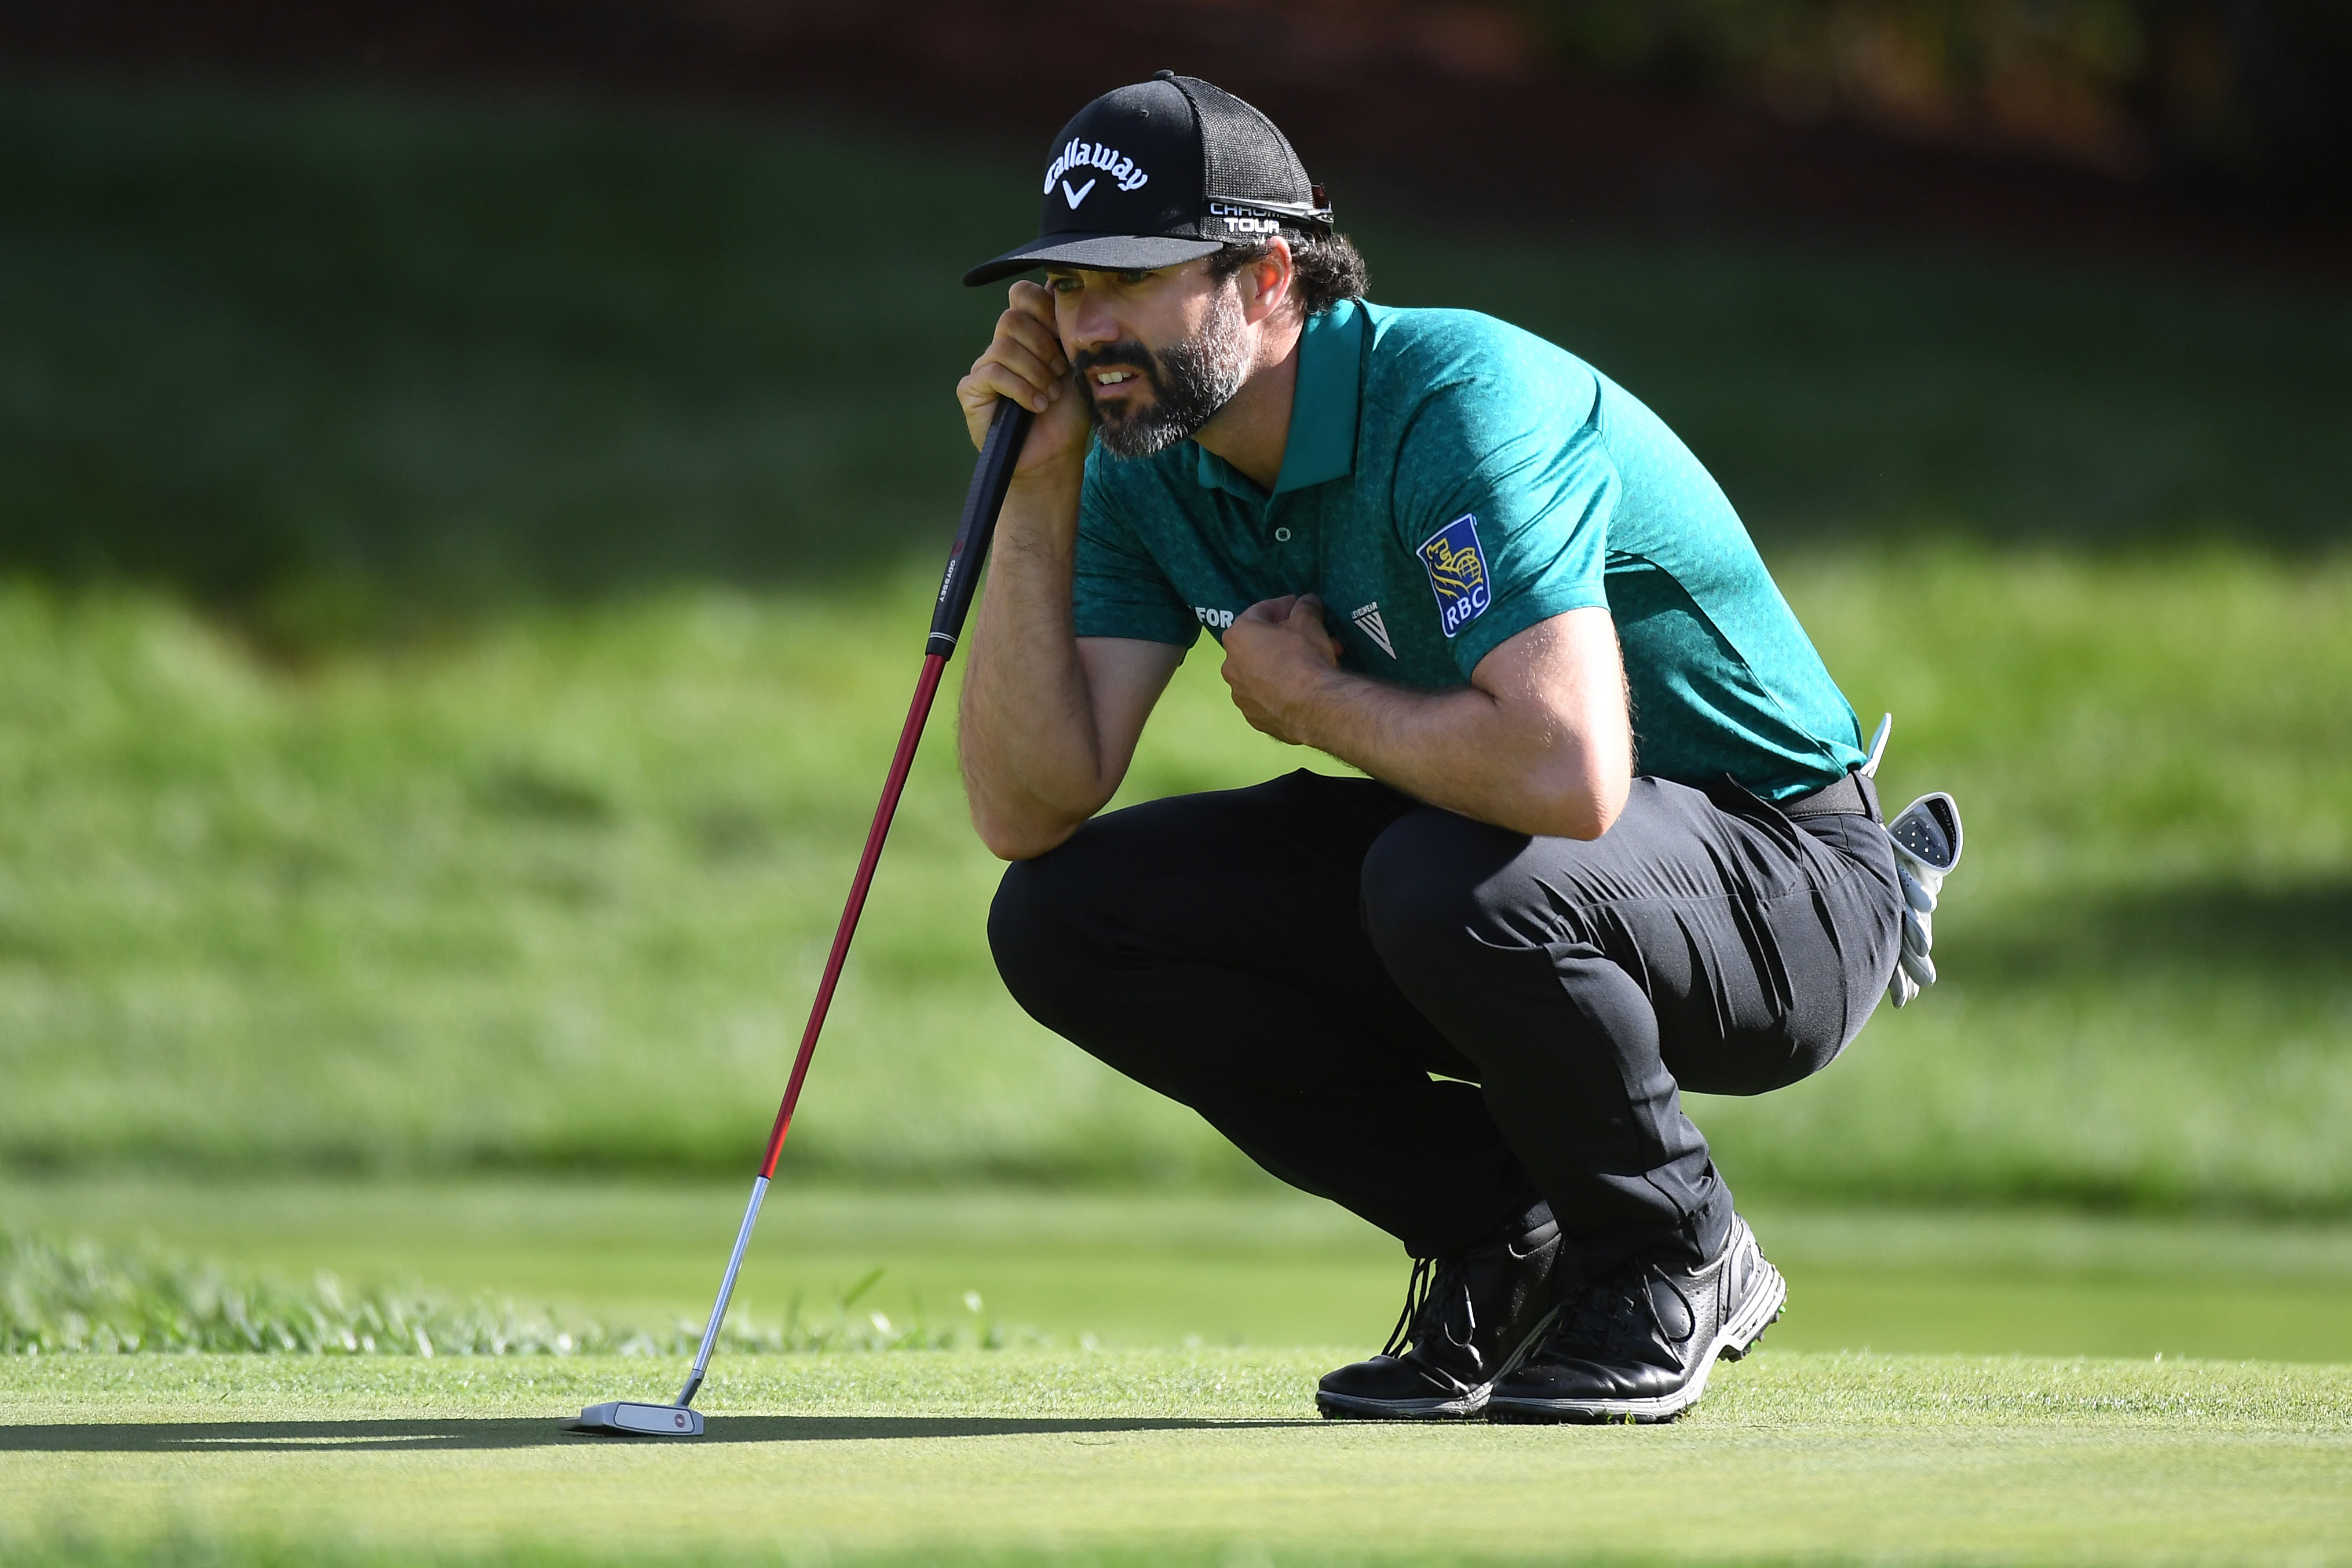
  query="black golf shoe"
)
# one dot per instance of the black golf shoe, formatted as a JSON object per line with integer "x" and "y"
{"x": 1467, "y": 1318}
{"x": 1637, "y": 1343}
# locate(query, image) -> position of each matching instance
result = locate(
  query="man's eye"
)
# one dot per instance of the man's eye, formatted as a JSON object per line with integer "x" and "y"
{"x": 1133, "y": 278}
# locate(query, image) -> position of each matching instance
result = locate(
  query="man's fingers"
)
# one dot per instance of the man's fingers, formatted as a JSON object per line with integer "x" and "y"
{"x": 1304, "y": 609}
{"x": 1023, "y": 361}
{"x": 1038, "y": 337}
{"x": 1037, "y": 374}
{"x": 1024, "y": 364}
{"x": 1031, "y": 298}
{"x": 1310, "y": 609}
{"x": 990, "y": 379}
{"x": 1308, "y": 613}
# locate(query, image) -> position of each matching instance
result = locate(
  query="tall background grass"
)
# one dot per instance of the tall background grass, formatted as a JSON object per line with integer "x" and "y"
{"x": 470, "y": 564}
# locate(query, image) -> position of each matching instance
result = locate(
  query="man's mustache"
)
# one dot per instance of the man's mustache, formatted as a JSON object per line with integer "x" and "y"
{"x": 1125, "y": 356}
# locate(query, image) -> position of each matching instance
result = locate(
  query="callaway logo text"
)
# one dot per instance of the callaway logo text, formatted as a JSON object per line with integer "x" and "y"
{"x": 1080, "y": 155}
{"x": 1367, "y": 621}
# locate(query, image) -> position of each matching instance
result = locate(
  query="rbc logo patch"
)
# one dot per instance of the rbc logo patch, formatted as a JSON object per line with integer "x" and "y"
{"x": 1457, "y": 573}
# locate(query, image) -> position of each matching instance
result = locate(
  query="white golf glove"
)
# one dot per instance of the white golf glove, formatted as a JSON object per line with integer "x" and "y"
{"x": 1926, "y": 838}
{"x": 1927, "y": 835}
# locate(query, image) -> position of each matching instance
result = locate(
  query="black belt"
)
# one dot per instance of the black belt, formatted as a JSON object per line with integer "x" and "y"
{"x": 1852, "y": 796}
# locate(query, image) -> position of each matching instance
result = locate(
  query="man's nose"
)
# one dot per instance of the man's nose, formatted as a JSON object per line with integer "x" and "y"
{"x": 1086, "y": 324}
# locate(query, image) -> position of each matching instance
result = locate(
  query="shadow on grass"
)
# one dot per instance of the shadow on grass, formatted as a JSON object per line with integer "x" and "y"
{"x": 529, "y": 1432}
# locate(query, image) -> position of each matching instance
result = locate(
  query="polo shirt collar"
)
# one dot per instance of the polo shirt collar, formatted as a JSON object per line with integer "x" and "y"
{"x": 1321, "y": 444}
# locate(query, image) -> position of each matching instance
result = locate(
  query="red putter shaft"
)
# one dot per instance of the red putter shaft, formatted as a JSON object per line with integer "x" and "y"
{"x": 926, "y": 688}
{"x": 991, "y": 476}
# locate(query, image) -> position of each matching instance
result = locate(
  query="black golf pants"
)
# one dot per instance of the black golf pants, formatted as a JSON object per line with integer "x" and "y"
{"x": 1432, "y": 1021}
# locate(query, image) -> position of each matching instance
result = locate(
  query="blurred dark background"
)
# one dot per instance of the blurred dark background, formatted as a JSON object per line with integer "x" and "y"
{"x": 2191, "y": 120}
{"x": 321, "y": 308}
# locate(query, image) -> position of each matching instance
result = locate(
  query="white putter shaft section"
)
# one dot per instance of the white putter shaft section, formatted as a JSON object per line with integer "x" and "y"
{"x": 726, "y": 1294}
{"x": 622, "y": 1417}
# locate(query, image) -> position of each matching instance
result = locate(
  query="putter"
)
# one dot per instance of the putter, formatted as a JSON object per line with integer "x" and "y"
{"x": 990, "y": 477}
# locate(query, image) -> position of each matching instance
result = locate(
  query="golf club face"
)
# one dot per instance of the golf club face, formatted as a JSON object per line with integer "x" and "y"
{"x": 1929, "y": 831}
{"x": 626, "y": 1418}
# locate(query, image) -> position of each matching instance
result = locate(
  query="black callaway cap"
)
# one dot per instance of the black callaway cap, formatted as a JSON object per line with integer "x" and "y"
{"x": 1159, "y": 173}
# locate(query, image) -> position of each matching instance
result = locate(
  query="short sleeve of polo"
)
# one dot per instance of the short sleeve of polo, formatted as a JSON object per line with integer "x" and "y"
{"x": 1509, "y": 445}
{"x": 1116, "y": 589}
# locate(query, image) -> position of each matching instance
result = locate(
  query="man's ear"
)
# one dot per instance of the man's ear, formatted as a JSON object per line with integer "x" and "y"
{"x": 1266, "y": 282}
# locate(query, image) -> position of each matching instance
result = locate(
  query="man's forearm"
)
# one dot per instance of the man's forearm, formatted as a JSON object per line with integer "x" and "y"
{"x": 1031, "y": 751}
{"x": 1540, "y": 742}
{"x": 1458, "y": 749}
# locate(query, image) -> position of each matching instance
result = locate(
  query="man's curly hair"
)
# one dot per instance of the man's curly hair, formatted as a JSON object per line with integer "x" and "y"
{"x": 1325, "y": 269}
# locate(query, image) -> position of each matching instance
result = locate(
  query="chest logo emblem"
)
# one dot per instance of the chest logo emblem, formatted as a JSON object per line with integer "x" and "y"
{"x": 1367, "y": 621}
{"x": 1457, "y": 573}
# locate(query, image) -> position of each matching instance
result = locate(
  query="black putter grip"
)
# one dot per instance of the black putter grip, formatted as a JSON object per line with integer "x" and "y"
{"x": 990, "y": 477}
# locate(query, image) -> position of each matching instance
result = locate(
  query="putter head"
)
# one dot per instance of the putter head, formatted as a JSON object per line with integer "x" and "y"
{"x": 626, "y": 1418}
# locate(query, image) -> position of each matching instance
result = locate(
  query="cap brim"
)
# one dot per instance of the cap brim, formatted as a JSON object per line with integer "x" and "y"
{"x": 1099, "y": 253}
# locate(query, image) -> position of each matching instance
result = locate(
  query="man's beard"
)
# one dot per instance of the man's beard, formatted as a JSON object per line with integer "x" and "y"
{"x": 1189, "y": 382}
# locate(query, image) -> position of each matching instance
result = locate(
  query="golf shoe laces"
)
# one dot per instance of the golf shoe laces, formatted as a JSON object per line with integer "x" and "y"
{"x": 1434, "y": 1279}
{"x": 1618, "y": 1315}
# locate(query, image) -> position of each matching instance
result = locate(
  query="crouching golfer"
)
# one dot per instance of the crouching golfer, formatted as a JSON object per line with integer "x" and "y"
{"x": 1613, "y": 841}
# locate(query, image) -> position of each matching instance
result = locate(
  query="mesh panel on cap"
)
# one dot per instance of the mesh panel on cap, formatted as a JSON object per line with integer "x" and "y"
{"x": 1248, "y": 158}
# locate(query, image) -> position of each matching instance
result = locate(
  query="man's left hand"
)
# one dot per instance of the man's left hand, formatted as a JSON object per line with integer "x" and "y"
{"x": 1279, "y": 656}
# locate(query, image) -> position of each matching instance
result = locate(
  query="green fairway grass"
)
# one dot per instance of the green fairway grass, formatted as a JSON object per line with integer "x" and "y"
{"x": 552, "y": 895}
{"x": 1201, "y": 1456}
{"x": 1132, "y": 1269}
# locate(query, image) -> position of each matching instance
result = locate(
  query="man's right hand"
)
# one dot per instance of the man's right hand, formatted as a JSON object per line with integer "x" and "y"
{"x": 1049, "y": 718}
{"x": 1025, "y": 361}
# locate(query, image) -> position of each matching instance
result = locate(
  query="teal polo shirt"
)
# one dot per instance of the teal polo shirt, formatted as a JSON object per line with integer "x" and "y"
{"x": 1450, "y": 480}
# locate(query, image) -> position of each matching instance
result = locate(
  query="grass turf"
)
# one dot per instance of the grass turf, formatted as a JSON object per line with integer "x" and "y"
{"x": 1135, "y": 1271}
{"x": 1171, "y": 1455}
{"x": 553, "y": 893}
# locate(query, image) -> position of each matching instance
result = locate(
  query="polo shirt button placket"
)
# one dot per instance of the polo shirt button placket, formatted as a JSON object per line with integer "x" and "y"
{"x": 1281, "y": 536}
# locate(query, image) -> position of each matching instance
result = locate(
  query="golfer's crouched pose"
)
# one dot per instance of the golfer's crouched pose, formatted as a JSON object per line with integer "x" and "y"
{"x": 1612, "y": 843}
